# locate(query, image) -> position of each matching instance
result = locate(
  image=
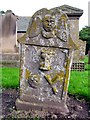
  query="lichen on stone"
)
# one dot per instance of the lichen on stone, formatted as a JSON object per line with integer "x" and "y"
{"x": 27, "y": 75}
{"x": 67, "y": 74}
{"x": 52, "y": 79}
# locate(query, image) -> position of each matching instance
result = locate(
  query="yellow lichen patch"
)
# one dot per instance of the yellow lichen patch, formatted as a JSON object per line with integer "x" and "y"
{"x": 54, "y": 79}
{"x": 54, "y": 90}
{"x": 22, "y": 39}
{"x": 27, "y": 75}
{"x": 20, "y": 91}
{"x": 61, "y": 76}
{"x": 48, "y": 78}
{"x": 21, "y": 71}
{"x": 58, "y": 77}
{"x": 67, "y": 75}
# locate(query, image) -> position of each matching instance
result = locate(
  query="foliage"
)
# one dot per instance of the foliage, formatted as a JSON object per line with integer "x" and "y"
{"x": 84, "y": 34}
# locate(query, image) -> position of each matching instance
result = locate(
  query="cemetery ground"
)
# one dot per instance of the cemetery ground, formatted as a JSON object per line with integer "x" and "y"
{"x": 78, "y": 100}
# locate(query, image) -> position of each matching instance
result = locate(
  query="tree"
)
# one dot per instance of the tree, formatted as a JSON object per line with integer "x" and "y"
{"x": 84, "y": 35}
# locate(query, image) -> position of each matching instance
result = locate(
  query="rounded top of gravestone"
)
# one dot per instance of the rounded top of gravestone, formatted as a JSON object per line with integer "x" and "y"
{"x": 48, "y": 28}
{"x": 47, "y": 21}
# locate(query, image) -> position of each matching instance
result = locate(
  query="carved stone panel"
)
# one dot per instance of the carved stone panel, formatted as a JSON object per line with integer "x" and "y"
{"x": 45, "y": 70}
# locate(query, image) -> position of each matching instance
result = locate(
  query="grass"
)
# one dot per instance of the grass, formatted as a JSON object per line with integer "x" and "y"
{"x": 86, "y": 62}
{"x": 79, "y": 84}
{"x": 79, "y": 81}
{"x": 10, "y": 77}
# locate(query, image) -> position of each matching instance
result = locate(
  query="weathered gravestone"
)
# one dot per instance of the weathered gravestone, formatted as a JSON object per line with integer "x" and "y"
{"x": 46, "y": 56}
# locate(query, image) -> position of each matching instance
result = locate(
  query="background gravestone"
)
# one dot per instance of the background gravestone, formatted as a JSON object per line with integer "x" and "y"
{"x": 46, "y": 55}
{"x": 8, "y": 38}
{"x": 8, "y": 31}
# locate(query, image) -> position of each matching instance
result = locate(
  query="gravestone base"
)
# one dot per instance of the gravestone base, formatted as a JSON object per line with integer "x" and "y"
{"x": 28, "y": 103}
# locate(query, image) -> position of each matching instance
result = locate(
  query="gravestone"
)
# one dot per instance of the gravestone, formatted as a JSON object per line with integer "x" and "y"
{"x": 46, "y": 56}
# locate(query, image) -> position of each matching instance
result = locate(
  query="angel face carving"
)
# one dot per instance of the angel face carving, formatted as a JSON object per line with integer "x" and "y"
{"x": 49, "y": 23}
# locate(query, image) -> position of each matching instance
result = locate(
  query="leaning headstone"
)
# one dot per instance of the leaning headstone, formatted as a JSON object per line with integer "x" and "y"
{"x": 46, "y": 55}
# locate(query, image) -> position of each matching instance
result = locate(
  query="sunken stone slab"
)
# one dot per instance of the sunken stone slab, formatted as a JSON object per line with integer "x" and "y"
{"x": 46, "y": 56}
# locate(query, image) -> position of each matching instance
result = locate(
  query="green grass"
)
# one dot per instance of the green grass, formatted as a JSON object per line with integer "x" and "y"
{"x": 86, "y": 62}
{"x": 10, "y": 77}
{"x": 79, "y": 84}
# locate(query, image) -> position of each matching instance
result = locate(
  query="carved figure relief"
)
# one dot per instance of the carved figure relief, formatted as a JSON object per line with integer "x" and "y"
{"x": 34, "y": 81}
{"x": 48, "y": 26}
{"x": 45, "y": 61}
